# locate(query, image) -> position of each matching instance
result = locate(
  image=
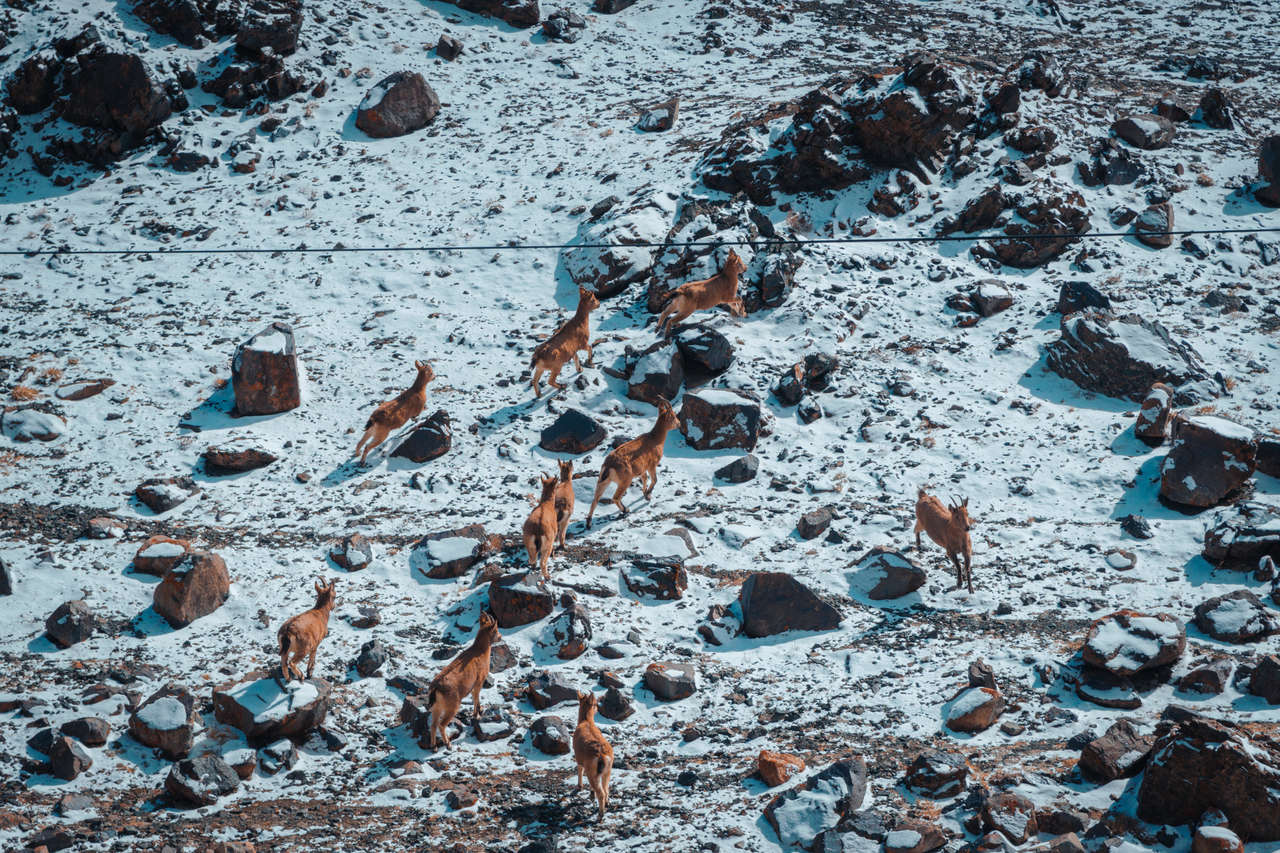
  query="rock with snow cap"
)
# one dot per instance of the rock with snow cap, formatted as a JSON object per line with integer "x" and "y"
{"x": 546, "y": 688}
{"x": 663, "y": 579}
{"x": 1243, "y": 535}
{"x": 1237, "y": 617}
{"x": 201, "y": 781}
{"x": 517, "y": 13}
{"x": 661, "y": 117}
{"x": 719, "y": 420}
{"x": 671, "y": 681}
{"x": 353, "y": 553}
{"x": 31, "y": 424}
{"x": 166, "y": 721}
{"x": 975, "y": 709}
{"x": 800, "y": 814}
{"x": 163, "y": 494}
{"x": 1010, "y": 814}
{"x": 1128, "y": 642}
{"x": 572, "y": 432}
{"x": 913, "y": 836}
{"x": 1152, "y": 225}
{"x": 451, "y": 553}
{"x": 705, "y": 352}
{"x": 551, "y": 735}
{"x": 266, "y": 712}
{"x": 893, "y": 573}
{"x": 643, "y": 219}
{"x": 1155, "y": 416}
{"x": 657, "y": 373}
{"x": 158, "y": 554}
{"x": 236, "y": 456}
{"x": 1119, "y": 752}
{"x": 196, "y": 586}
{"x": 265, "y": 375}
{"x": 1211, "y": 458}
{"x": 1147, "y": 132}
{"x": 937, "y": 774}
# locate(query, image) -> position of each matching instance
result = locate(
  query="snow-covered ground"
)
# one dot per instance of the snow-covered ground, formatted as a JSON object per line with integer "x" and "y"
{"x": 518, "y": 150}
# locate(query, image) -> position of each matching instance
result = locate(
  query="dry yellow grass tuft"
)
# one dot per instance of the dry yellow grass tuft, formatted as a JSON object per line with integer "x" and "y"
{"x": 8, "y": 461}
{"x": 50, "y": 375}
{"x": 23, "y": 392}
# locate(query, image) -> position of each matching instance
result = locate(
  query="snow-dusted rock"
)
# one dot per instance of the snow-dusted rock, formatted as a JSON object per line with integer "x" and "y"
{"x": 719, "y": 420}
{"x": 551, "y": 735}
{"x": 616, "y": 705}
{"x": 277, "y": 756}
{"x": 1010, "y": 814}
{"x": 974, "y": 709}
{"x": 1151, "y": 224}
{"x": 269, "y": 26}
{"x": 1128, "y": 642}
{"x": 1118, "y": 753}
{"x": 1242, "y": 535}
{"x": 67, "y": 759}
{"x": 451, "y": 553}
{"x": 548, "y": 687}
{"x": 519, "y": 598}
{"x": 72, "y": 622}
{"x": 740, "y": 470}
{"x": 705, "y": 353}
{"x": 1147, "y": 131}
{"x": 1107, "y": 689}
{"x": 670, "y": 681}
{"x": 1237, "y": 617}
{"x": 1210, "y": 678}
{"x": 265, "y": 712}
{"x": 429, "y": 440}
{"x": 990, "y": 297}
{"x": 1210, "y": 458}
{"x": 572, "y": 432}
{"x": 664, "y": 579}
{"x": 775, "y": 602}
{"x": 166, "y": 721}
{"x": 163, "y": 494}
{"x": 937, "y": 774}
{"x": 777, "y": 768}
{"x": 658, "y": 372}
{"x": 645, "y": 218}
{"x": 158, "y": 554}
{"x": 82, "y": 389}
{"x": 893, "y": 573}
{"x": 1155, "y": 416}
{"x": 800, "y": 814}
{"x": 265, "y": 375}
{"x": 90, "y": 731}
{"x": 371, "y": 658}
{"x": 201, "y": 781}
{"x": 913, "y": 836}
{"x": 32, "y": 425}
{"x": 237, "y": 455}
{"x": 661, "y": 117}
{"x": 517, "y": 13}
{"x": 1216, "y": 839}
{"x": 196, "y": 586}
{"x": 1121, "y": 356}
{"x": 353, "y": 553}
{"x": 1199, "y": 764}
{"x": 568, "y": 633}
{"x": 400, "y": 103}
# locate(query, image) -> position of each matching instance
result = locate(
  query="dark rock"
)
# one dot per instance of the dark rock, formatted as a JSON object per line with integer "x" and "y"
{"x": 236, "y": 456}
{"x": 1265, "y": 679}
{"x": 6, "y": 577}
{"x": 1216, "y": 110}
{"x": 399, "y": 104}
{"x": 448, "y": 48}
{"x": 461, "y": 798}
{"x": 195, "y": 587}
{"x": 1211, "y": 457}
{"x": 897, "y": 575}
{"x": 265, "y": 374}
{"x": 661, "y": 117}
{"x": 573, "y": 432}
{"x": 1030, "y": 241}
{"x": 611, "y": 7}
{"x": 517, "y": 13}
{"x": 1155, "y": 416}
{"x": 616, "y": 260}
{"x": 1010, "y": 814}
{"x": 547, "y": 688}
{"x": 991, "y": 297}
{"x": 671, "y": 681}
{"x": 814, "y": 523}
{"x": 564, "y": 25}
{"x": 451, "y": 553}
{"x": 278, "y": 756}
{"x": 740, "y": 470}
{"x": 980, "y": 212}
{"x": 914, "y": 836}
{"x": 1199, "y": 764}
{"x": 799, "y": 814}
{"x": 1212, "y": 677}
{"x": 1243, "y": 535}
{"x": 1137, "y": 526}
{"x": 353, "y": 553}
{"x": 719, "y": 420}
{"x": 1127, "y": 642}
{"x": 67, "y": 759}
{"x": 775, "y": 602}
{"x": 664, "y": 580}
{"x": 1171, "y": 109}
{"x": 937, "y": 774}
{"x": 163, "y": 494}
{"x": 1121, "y": 356}
{"x": 790, "y": 386}
{"x": 981, "y": 674}
{"x": 1269, "y": 170}
{"x": 1107, "y": 689}
{"x": 1111, "y": 164}
{"x": 114, "y": 91}
{"x": 1119, "y": 753}
{"x": 371, "y": 658}
{"x": 166, "y": 721}
{"x": 1147, "y": 132}
{"x": 265, "y": 713}
{"x": 71, "y": 623}
{"x": 518, "y": 599}
{"x": 1237, "y": 617}
{"x": 657, "y": 374}
{"x": 551, "y": 735}
{"x": 159, "y": 554}
{"x": 181, "y": 19}
{"x": 569, "y": 632}
{"x": 269, "y": 27}
{"x": 1152, "y": 225}
{"x": 90, "y": 731}
{"x": 615, "y": 705}
{"x": 429, "y": 440}
{"x": 201, "y": 781}
{"x": 1269, "y": 455}
{"x": 32, "y": 86}
{"x": 1076, "y": 296}
{"x": 1040, "y": 70}
{"x": 705, "y": 352}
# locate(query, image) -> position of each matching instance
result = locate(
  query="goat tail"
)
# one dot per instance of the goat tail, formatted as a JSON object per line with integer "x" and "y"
{"x": 919, "y": 492}
{"x": 600, "y": 765}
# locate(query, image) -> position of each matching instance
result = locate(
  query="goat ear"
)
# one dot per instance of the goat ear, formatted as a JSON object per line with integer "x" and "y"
{"x": 319, "y": 586}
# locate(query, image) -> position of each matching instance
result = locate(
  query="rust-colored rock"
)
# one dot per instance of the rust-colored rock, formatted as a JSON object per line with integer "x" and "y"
{"x": 777, "y": 768}
{"x": 1211, "y": 457}
{"x": 159, "y": 554}
{"x": 195, "y": 587}
{"x": 1155, "y": 416}
{"x": 265, "y": 374}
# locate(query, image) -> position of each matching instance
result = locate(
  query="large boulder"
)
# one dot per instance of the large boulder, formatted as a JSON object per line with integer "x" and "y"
{"x": 1237, "y": 617}
{"x": 1265, "y": 679}
{"x": 32, "y": 425}
{"x": 1127, "y": 642}
{"x": 159, "y": 554}
{"x": 195, "y": 587}
{"x": 237, "y": 456}
{"x": 67, "y": 759}
{"x": 546, "y": 688}
{"x": 568, "y": 633}
{"x": 166, "y": 721}
{"x": 671, "y": 681}
{"x": 975, "y": 709}
{"x": 161, "y": 494}
{"x": 269, "y": 27}
{"x": 1121, "y": 356}
{"x": 72, "y": 622}
{"x": 775, "y": 602}
{"x": 519, "y": 598}
{"x": 182, "y": 19}
{"x": 1155, "y": 416}
{"x": 265, "y": 712}
{"x": 706, "y": 353}
{"x": 1199, "y": 764}
{"x": 451, "y": 553}
{"x": 551, "y": 735}
{"x": 114, "y": 91}
{"x": 572, "y": 432}
{"x": 657, "y": 373}
{"x": 1241, "y": 536}
{"x": 400, "y": 103}
{"x": 517, "y": 13}
{"x": 429, "y": 440}
{"x": 1118, "y": 753}
{"x": 90, "y": 731}
{"x": 32, "y": 86}
{"x": 719, "y": 420}
{"x": 800, "y": 814}
{"x": 201, "y": 781}
{"x": 1030, "y": 240}
{"x": 609, "y": 254}
{"x": 1147, "y": 131}
{"x": 1152, "y": 225}
{"x": 937, "y": 774}
{"x": 1211, "y": 457}
{"x": 265, "y": 374}
{"x": 6, "y": 578}
{"x": 893, "y": 573}
{"x": 1010, "y": 814}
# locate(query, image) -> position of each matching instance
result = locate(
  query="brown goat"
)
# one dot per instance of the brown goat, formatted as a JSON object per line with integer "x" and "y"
{"x": 639, "y": 457}
{"x": 564, "y": 498}
{"x": 720, "y": 289}
{"x": 574, "y": 335}
{"x": 949, "y": 528}
{"x": 462, "y": 675}
{"x": 591, "y": 752}
{"x": 393, "y": 414}
{"x": 542, "y": 526}
{"x": 300, "y": 636}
